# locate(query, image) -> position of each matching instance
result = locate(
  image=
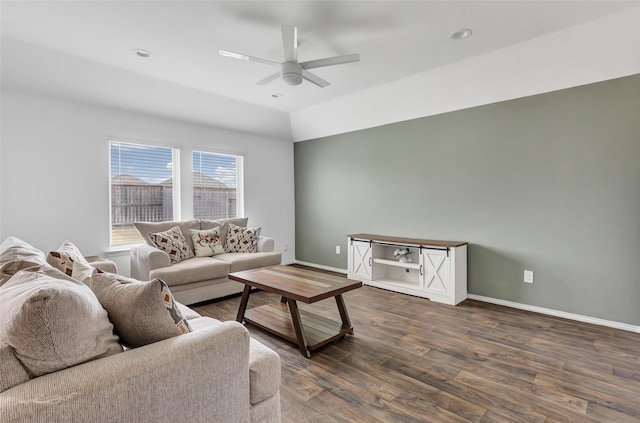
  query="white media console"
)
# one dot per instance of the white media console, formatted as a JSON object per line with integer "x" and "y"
{"x": 435, "y": 269}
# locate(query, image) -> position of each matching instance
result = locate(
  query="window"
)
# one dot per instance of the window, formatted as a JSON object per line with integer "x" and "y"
{"x": 142, "y": 188}
{"x": 217, "y": 186}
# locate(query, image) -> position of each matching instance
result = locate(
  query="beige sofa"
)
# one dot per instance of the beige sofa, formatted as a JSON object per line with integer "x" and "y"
{"x": 200, "y": 278}
{"x": 216, "y": 373}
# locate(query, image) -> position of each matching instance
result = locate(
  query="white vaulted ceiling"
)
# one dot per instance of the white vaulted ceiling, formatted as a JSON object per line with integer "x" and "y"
{"x": 84, "y": 50}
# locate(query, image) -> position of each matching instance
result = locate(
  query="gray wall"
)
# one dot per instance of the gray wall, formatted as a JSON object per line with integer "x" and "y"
{"x": 549, "y": 183}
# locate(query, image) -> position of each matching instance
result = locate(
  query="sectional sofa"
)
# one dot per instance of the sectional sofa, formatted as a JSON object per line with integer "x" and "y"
{"x": 62, "y": 359}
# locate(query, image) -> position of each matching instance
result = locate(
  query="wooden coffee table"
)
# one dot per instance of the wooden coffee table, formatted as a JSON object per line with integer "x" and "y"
{"x": 308, "y": 330}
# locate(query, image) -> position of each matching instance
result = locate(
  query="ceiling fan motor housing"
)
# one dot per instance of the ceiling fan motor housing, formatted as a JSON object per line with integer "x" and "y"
{"x": 292, "y": 73}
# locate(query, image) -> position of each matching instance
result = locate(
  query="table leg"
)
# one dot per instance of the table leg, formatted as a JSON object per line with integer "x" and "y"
{"x": 297, "y": 325}
{"x": 346, "y": 322}
{"x": 243, "y": 303}
{"x": 283, "y": 300}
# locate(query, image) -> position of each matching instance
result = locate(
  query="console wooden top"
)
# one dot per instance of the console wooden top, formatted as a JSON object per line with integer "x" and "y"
{"x": 408, "y": 241}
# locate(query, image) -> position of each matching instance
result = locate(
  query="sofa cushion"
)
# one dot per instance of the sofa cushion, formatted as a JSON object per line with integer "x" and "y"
{"x": 64, "y": 257}
{"x": 11, "y": 371}
{"x": 145, "y": 228}
{"x": 16, "y": 255}
{"x": 193, "y": 270}
{"x": 53, "y": 321}
{"x": 188, "y": 313}
{"x": 242, "y": 240}
{"x": 224, "y": 225}
{"x": 203, "y": 322}
{"x": 172, "y": 242}
{"x": 207, "y": 242}
{"x": 264, "y": 372}
{"x": 141, "y": 312}
{"x": 245, "y": 261}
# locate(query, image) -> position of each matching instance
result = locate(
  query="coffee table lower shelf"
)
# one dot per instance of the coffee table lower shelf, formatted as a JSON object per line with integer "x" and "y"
{"x": 276, "y": 319}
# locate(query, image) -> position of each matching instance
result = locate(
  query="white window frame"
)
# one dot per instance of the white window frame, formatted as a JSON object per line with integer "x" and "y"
{"x": 239, "y": 212}
{"x": 176, "y": 177}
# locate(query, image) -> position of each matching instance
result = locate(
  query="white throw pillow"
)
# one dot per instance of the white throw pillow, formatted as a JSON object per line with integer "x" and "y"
{"x": 207, "y": 243}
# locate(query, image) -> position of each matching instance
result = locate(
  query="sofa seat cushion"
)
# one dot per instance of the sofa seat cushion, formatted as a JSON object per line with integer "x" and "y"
{"x": 203, "y": 322}
{"x": 192, "y": 270}
{"x": 187, "y": 313}
{"x": 245, "y": 261}
{"x": 264, "y": 372}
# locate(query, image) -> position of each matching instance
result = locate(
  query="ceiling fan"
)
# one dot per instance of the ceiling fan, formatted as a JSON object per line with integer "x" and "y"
{"x": 292, "y": 71}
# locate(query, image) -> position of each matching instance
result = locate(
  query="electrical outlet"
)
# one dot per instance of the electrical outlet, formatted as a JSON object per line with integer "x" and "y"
{"x": 528, "y": 276}
{"x": 285, "y": 247}
{"x": 337, "y": 249}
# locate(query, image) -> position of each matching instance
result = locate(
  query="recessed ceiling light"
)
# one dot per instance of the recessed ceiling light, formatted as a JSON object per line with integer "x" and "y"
{"x": 142, "y": 53}
{"x": 461, "y": 34}
{"x": 277, "y": 95}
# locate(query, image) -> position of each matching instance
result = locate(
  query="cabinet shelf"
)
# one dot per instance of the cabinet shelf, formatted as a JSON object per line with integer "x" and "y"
{"x": 389, "y": 262}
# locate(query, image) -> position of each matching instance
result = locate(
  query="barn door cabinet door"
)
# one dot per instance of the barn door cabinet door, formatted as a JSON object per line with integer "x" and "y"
{"x": 360, "y": 260}
{"x": 436, "y": 271}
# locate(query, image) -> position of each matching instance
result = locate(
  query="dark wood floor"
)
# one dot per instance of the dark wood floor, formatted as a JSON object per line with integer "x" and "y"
{"x": 412, "y": 360}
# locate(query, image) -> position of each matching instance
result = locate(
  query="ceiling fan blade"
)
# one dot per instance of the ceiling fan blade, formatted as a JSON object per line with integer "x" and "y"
{"x": 315, "y": 79}
{"x": 269, "y": 79}
{"x": 290, "y": 42}
{"x": 239, "y": 56}
{"x": 330, "y": 61}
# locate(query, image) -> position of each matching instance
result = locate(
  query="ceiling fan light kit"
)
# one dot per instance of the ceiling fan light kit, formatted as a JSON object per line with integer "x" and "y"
{"x": 291, "y": 71}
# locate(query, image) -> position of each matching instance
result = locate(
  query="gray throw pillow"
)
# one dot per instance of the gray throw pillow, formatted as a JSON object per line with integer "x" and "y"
{"x": 53, "y": 322}
{"x": 142, "y": 312}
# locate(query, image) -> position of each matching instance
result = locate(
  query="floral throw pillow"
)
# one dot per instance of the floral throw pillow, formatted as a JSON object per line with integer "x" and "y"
{"x": 207, "y": 243}
{"x": 173, "y": 243}
{"x": 242, "y": 240}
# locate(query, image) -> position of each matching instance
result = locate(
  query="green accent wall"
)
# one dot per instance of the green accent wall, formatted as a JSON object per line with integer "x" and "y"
{"x": 549, "y": 183}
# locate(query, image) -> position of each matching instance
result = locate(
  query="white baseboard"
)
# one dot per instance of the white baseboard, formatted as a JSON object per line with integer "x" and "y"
{"x": 527, "y": 307}
{"x": 319, "y": 266}
{"x": 556, "y": 313}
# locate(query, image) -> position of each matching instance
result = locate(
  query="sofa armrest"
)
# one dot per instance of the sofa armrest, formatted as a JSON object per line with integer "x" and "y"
{"x": 145, "y": 258}
{"x": 104, "y": 265}
{"x": 265, "y": 244}
{"x": 198, "y": 376}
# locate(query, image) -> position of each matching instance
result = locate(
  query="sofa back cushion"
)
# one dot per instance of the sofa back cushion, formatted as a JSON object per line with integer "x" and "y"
{"x": 224, "y": 225}
{"x": 11, "y": 371}
{"x": 53, "y": 321}
{"x": 16, "y": 255}
{"x": 146, "y": 228}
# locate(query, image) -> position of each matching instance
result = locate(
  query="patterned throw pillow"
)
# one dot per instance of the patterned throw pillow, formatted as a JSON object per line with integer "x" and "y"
{"x": 207, "y": 243}
{"x": 63, "y": 258}
{"x": 141, "y": 312}
{"x": 173, "y": 243}
{"x": 242, "y": 240}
